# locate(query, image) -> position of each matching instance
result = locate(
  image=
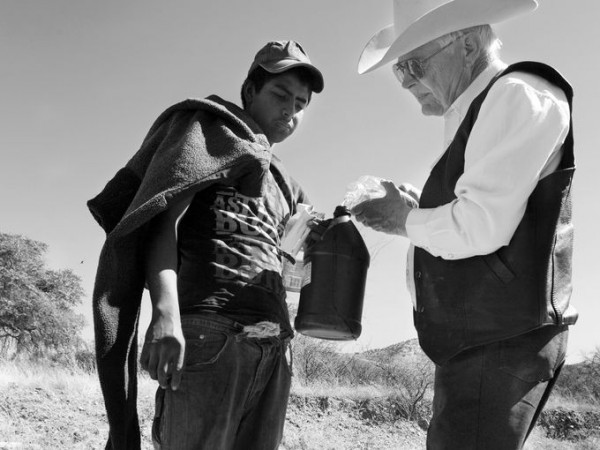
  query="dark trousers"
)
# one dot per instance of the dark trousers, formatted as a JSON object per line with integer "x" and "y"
{"x": 233, "y": 393}
{"x": 490, "y": 397}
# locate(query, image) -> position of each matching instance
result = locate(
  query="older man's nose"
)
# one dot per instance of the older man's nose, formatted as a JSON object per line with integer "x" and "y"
{"x": 408, "y": 81}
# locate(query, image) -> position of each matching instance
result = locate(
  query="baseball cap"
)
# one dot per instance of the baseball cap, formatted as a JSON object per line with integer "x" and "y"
{"x": 279, "y": 56}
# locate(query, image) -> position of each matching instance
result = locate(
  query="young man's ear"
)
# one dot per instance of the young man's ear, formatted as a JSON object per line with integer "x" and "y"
{"x": 248, "y": 92}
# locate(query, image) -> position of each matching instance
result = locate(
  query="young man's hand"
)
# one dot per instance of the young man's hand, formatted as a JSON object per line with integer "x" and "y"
{"x": 317, "y": 227}
{"x": 164, "y": 350}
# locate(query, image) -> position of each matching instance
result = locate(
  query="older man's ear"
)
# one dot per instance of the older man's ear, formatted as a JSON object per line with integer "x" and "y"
{"x": 473, "y": 50}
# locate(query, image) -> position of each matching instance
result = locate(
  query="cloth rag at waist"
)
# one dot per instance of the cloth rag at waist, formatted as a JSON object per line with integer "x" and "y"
{"x": 259, "y": 330}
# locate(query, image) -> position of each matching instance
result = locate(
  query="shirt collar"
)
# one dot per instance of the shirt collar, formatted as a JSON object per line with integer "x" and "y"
{"x": 457, "y": 111}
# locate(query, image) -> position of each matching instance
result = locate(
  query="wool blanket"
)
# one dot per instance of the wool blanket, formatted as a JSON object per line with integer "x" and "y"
{"x": 191, "y": 145}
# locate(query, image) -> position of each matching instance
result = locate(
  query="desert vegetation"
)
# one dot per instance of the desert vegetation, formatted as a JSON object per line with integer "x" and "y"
{"x": 390, "y": 389}
{"x": 376, "y": 399}
{"x": 37, "y": 304}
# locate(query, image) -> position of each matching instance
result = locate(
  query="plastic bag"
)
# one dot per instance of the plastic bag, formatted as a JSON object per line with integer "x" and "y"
{"x": 367, "y": 187}
{"x": 297, "y": 229}
{"x": 295, "y": 234}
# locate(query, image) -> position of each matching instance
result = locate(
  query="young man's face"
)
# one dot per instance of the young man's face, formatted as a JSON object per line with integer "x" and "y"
{"x": 279, "y": 106}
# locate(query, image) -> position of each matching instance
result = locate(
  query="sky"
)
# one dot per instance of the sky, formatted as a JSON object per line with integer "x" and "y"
{"x": 81, "y": 82}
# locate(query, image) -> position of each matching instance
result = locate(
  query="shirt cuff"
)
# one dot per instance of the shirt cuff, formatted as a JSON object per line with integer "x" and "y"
{"x": 416, "y": 227}
{"x": 420, "y": 226}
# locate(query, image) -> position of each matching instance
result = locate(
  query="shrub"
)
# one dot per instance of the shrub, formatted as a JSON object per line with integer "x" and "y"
{"x": 37, "y": 316}
{"x": 408, "y": 377}
{"x": 581, "y": 381}
{"x": 85, "y": 359}
{"x": 570, "y": 425}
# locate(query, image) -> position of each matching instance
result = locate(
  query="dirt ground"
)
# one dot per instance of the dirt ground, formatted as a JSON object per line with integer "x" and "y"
{"x": 66, "y": 412}
{"x": 38, "y": 417}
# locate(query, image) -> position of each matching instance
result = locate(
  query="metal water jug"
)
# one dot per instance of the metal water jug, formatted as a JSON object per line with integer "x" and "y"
{"x": 332, "y": 293}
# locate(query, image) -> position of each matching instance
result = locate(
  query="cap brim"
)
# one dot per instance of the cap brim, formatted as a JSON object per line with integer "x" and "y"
{"x": 287, "y": 64}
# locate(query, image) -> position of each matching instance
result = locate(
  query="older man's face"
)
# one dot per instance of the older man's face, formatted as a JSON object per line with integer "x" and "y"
{"x": 442, "y": 78}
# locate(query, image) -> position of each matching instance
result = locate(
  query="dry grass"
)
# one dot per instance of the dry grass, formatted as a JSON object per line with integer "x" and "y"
{"x": 573, "y": 403}
{"x": 331, "y": 417}
{"x": 50, "y": 408}
{"x": 28, "y": 374}
{"x": 45, "y": 407}
{"x": 355, "y": 393}
{"x": 538, "y": 441}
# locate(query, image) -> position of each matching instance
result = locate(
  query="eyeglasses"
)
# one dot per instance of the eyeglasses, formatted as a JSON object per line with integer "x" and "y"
{"x": 414, "y": 67}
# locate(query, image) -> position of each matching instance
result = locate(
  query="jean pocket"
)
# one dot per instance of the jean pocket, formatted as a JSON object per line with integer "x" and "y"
{"x": 535, "y": 356}
{"x": 205, "y": 349}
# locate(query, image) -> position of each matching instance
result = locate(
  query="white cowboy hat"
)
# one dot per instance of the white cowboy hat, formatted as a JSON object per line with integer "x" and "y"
{"x": 417, "y": 22}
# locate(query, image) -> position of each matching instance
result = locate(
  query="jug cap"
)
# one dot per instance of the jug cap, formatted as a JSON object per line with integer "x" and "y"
{"x": 341, "y": 210}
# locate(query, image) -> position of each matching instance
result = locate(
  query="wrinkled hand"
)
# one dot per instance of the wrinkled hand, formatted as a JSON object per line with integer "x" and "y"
{"x": 163, "y": 352}
{"x": 411, "y": 190}
{"x": 388, "y": 214}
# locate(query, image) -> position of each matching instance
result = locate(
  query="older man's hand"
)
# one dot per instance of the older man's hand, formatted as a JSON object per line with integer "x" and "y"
{"x": 388, "y": 214}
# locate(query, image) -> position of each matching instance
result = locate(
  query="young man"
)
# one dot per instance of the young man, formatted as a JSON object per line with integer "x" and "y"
{"x": 491, "y": 235}
{"x": 205, "y": 204}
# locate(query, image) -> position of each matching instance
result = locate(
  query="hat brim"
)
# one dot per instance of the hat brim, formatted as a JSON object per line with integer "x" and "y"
{"x": 287, "y": 64}
{"x": 385, "y": 46}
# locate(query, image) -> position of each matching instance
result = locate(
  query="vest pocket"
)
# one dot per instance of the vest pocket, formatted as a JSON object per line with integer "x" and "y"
{"x": 500, "y": 269}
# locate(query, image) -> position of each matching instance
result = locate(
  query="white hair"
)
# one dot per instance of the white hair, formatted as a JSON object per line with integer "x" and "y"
{"x": 490, "y": 42}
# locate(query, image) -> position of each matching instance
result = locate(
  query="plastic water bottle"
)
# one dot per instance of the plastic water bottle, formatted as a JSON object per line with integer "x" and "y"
{"x": 332, "y": 293}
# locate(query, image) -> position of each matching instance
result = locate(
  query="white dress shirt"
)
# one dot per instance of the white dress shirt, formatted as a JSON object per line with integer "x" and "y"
{"x": 515, "y": 141}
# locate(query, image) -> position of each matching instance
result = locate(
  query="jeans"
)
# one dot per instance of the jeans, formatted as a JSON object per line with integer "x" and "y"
{"x": 233, "y": 393}
{"x": 490, "y": 397}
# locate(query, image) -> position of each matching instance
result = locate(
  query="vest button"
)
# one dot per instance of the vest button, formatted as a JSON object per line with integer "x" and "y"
{"x": 418, "y": 274}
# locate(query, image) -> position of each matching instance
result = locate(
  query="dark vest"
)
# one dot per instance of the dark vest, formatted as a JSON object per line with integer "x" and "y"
{"x": 522, "y": 286}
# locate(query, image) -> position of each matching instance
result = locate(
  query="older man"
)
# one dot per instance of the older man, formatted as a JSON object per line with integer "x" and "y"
{"x": 491, "y": 233}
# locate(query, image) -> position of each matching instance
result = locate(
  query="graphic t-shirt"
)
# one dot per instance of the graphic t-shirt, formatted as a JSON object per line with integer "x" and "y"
{"x": 229, "y": 260}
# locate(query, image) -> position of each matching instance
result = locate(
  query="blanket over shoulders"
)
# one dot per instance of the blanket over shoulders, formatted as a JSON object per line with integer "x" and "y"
{"x": 191, "y": 145}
